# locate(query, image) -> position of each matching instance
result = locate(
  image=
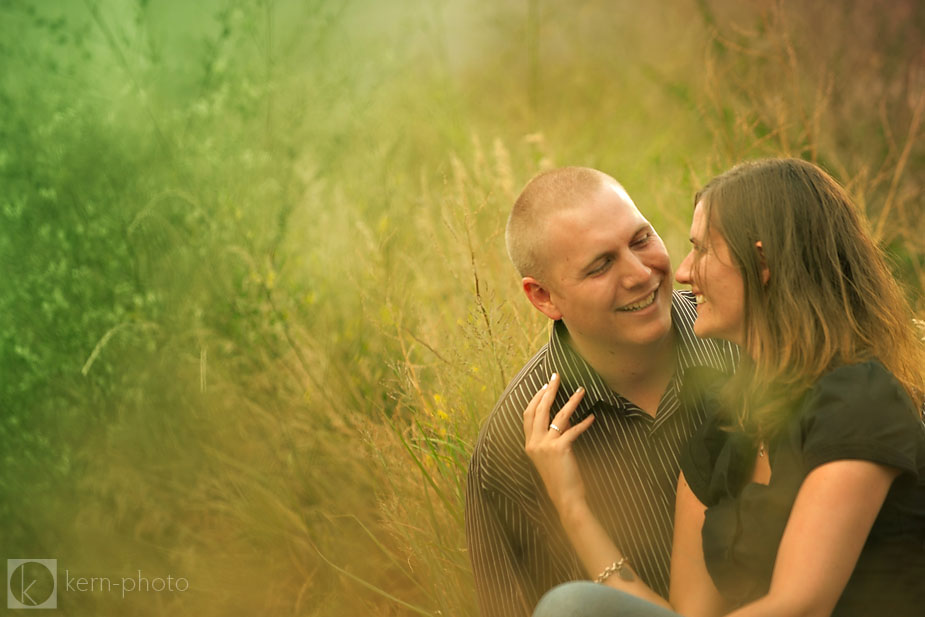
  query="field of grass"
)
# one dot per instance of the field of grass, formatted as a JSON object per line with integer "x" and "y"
{"x": 254, "y": 300}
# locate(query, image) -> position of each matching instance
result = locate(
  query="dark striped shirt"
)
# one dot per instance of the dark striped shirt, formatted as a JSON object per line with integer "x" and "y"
{"x": 629, "y": 463}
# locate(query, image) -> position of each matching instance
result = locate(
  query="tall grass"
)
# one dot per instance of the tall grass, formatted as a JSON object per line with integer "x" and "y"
{"x": 255, "y": 302}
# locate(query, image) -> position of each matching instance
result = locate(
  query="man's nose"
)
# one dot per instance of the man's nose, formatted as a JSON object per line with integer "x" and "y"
{"x": 635, "y": 272}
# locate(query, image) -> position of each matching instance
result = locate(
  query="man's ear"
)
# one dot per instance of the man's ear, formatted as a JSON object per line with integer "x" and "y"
{"x": 765, "y": 272}
{"x": 540, "y": 298}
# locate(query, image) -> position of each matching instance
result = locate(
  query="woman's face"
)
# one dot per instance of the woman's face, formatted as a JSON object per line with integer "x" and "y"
{"x": 715, "y": 280}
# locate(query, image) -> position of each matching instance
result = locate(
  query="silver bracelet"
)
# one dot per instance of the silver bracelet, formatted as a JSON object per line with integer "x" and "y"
{"x": 619, "y": 567}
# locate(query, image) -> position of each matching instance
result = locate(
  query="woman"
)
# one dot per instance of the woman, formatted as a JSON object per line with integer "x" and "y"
{"x": 804, "y": 493}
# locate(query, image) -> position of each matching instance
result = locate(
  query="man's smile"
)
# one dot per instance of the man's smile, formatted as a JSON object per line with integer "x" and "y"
{"x": 641, "y": 304}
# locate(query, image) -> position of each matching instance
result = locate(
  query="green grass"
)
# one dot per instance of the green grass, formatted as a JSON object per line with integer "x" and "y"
{"x": 254, "y": 301}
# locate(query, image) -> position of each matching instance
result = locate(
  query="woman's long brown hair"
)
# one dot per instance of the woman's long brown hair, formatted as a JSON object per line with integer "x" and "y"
{"x": 830, "y": 299}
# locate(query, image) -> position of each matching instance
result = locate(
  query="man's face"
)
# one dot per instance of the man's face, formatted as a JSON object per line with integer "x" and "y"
{"x": 608, "y": 273}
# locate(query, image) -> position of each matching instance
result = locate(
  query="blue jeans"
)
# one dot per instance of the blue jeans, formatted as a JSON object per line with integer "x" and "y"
{"x": 586, "y": 599}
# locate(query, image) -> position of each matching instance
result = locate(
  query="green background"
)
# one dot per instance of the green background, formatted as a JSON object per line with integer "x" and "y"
{"x": 254, "y": 301}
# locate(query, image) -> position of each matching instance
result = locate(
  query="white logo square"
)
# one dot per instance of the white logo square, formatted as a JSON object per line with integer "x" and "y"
{"x": 32, "y": 583}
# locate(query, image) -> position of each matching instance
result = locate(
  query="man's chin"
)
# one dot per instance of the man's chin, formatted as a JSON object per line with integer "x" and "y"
{"x": 652, "y": 332}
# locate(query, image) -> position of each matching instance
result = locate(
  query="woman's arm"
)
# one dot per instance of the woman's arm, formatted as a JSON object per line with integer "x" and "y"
{"x": 828, "y": 526}
{"x": 551, "y": 452}
{"x": 692, "y": 590}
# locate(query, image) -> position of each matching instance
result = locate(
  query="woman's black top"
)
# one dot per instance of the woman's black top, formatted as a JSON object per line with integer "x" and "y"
{"x": 856, "y": 412}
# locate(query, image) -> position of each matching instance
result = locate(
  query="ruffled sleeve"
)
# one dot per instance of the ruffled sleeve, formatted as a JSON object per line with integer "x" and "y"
{"x": 861, "y": 412}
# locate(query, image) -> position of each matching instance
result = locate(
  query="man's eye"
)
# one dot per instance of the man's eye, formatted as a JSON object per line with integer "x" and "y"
{"x": 643, "y": 240}
{"x": 599, "y": 268}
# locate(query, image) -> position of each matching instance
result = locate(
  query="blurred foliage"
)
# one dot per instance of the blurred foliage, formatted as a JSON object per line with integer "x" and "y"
{"x": 254, "y": 300}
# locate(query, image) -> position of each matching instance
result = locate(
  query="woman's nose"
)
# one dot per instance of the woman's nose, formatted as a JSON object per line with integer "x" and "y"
{"x": 683, "y": 273}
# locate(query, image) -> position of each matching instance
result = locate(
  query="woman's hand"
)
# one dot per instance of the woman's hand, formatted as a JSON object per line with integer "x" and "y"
{"x": 549, "y": 446}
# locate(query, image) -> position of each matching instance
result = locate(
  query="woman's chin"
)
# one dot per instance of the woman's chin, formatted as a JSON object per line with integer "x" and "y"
{"x": 701, "y": 329}
{"x": 704, "y": 331}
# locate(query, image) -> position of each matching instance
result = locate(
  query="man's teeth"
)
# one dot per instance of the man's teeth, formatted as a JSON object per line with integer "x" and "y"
{"x": 699, "y": 298}
{"x": 639, "y": 305}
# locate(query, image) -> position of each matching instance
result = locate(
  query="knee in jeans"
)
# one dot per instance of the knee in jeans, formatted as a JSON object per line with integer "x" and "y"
{"x": 565, "y": 600}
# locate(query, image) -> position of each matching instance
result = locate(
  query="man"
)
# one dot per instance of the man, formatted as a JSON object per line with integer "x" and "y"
{"x": 595, "y": 266}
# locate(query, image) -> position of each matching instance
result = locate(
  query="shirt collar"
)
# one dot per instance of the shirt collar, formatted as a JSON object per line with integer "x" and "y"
{"x": 574, "y": 371}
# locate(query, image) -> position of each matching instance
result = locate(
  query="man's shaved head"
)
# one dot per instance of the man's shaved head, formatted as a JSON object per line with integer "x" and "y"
{"x": 546, "y": 194}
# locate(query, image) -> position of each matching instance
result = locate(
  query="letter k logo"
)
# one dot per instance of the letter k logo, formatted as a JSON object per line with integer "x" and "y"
{"x": 32, "y": 583}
